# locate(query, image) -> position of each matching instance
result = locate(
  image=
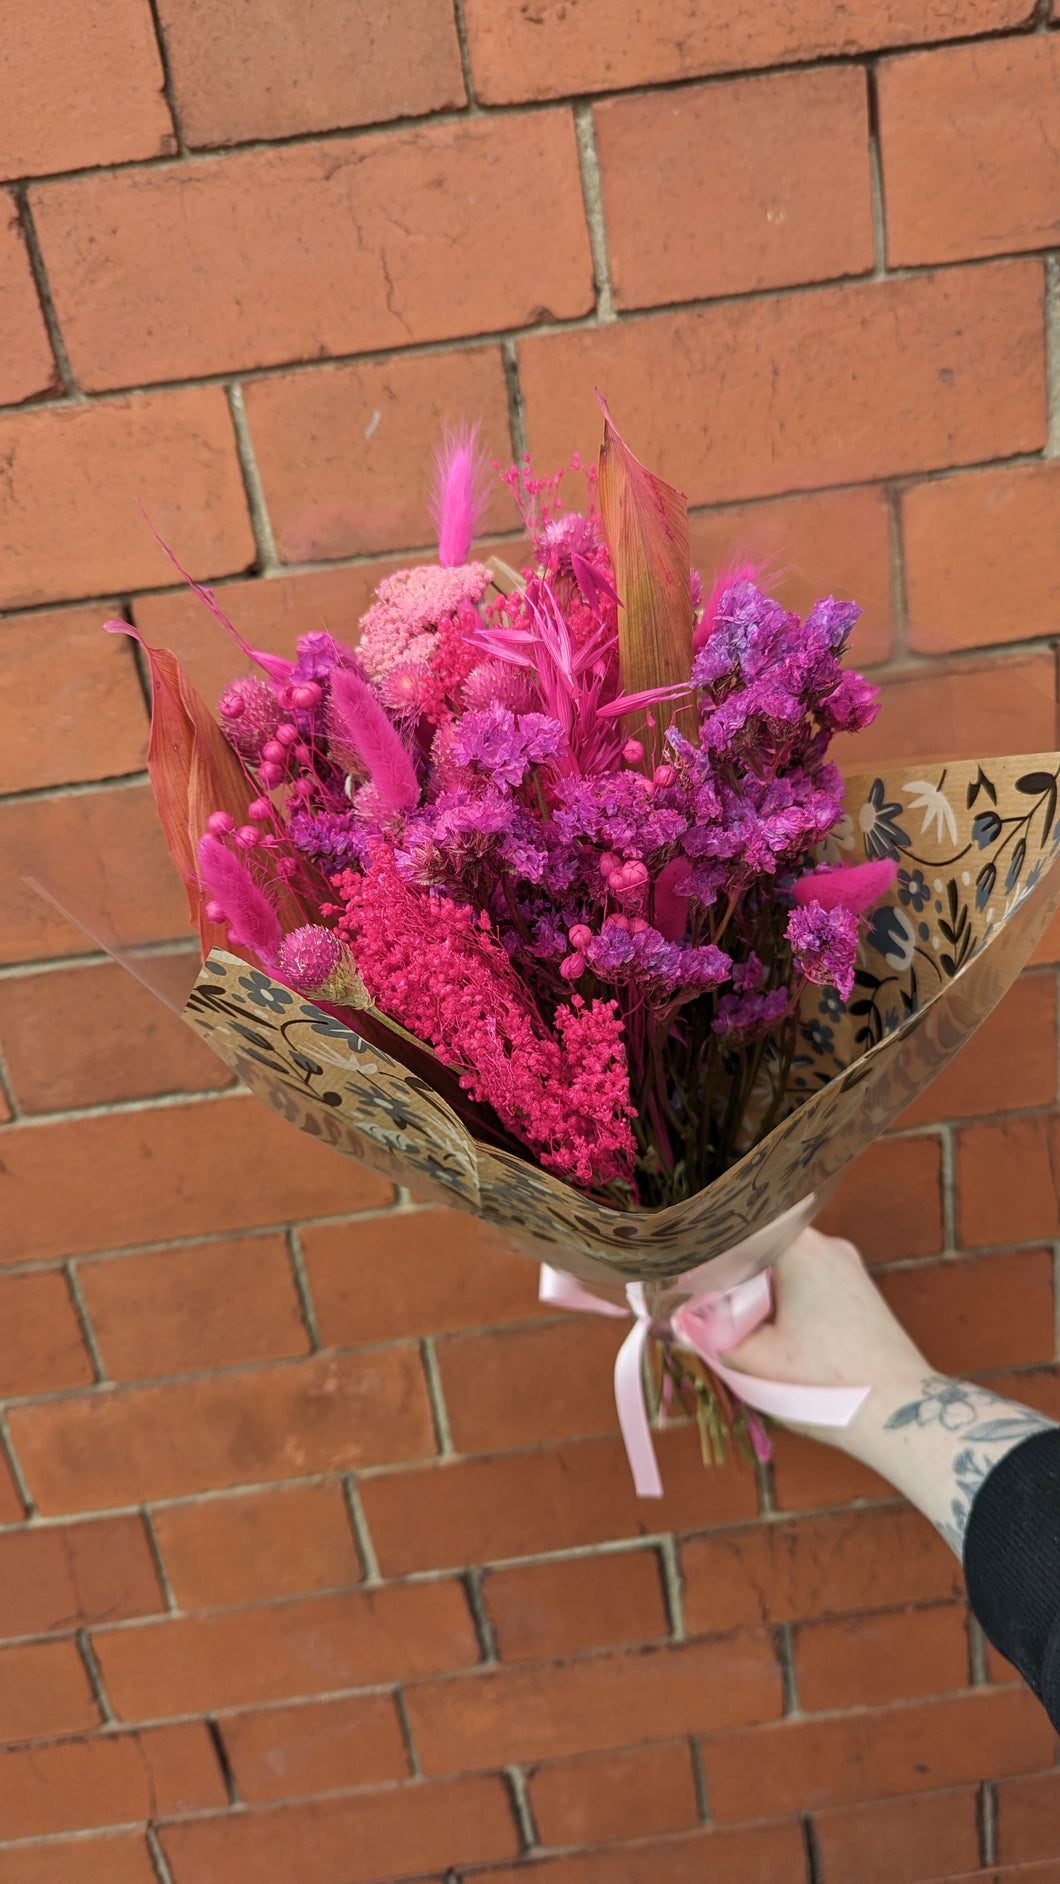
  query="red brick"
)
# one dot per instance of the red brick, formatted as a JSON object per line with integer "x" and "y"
{"x": 930, "y": 1835}
{"x": 969, "y": 709}
{"x": 270, "y": 612}
{"x": 808, "y": 1476}
{"x": 848, "y": 384}
{"x": 770, "y": 1854}
{"x": 175, "y": 1311}
{"x": 565, "y": 1375}
{"x": 543, "y": 1610}
{"x": 109, "y": 1780}
{"x": 1009, "y": 1062}
{"x": 275, "y": 70}
{"x": 1008, "y": 1180}
{"x": 77, "y": 473}
{"x": 326, "y": 1746}
{"x": 44, "y": 1690}
{"x": 547, "y": 1711}
{"x": 774, "y": 170}
{"x": 482, "y": 1510}
{"x": 828, "y": 1566}
{"x": 94, "y": 1035}
{"x": 1038, "y": 1387}
{"x": 103, "y": 855}
{"x": 919, "y": 1746}
{"x": 241, "y": 1658}
{"x": 405, "y": 1829}
{"x": 827, "y": 543}
{"x": 454, "y": 1271}
{"x": 969, "y": 167}
{"x": 61, "y": 1576}
{"x": 871, "y": 1659}
{"x": 62, "y": 70}
{"x": 27, "y": 365}
{"x": 550, "y": 51}
{"x": 889, "y": 1201}
{"x": 307, "y": 250}
{"x": 615, "y": 1795}
{"x": 982, "y": 557}
{"x": 114, "y": 1858}
{"x": 185, "y": 1170}
{"x": 346, "y": 453}
{"x": 72, "y": 707}
{"x": 257, "y": 1546}
{"x": 332, "y": 1413}
{"x": 1028, "y": 1817}
{"x": 1048, "y": 949}
{"x": 967, "y": 1316}
{"x": 41, "y": 1348}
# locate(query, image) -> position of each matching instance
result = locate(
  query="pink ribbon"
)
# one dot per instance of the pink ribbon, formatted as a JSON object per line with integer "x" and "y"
{"x": 708, "y": 1325}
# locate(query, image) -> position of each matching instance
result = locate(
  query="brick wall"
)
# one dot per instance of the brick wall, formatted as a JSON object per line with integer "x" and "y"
{"x": 318, "y": 1556}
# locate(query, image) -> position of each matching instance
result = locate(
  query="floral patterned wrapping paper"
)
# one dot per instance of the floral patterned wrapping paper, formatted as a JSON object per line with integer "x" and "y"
{"x": 976, "y": 844}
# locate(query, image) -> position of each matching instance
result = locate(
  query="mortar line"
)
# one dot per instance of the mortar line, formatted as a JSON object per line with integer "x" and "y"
{"x": 978, "y": 1676}
{"x": 95, "y": 1678}
{"x": 789, "y": 1679}
{"x": 948, "y": 1187}
{"x": 88, "y": 1333}
{"x": 516, "y": 414}
{"x": 521, "y": 1806}
{"x": 436, "y": 1396}
{"x": 79, "y": 788}
{"x": 593, "y": 200}
{"x": 483, "y": 1624}
{"x": 7, "y": 1090}
{"x": 55, "y": 964}
{"x": 158, "y": 1856}
{"x": 213, "y": 1728}
{"x": 167, "y": 80}
{"x": 168, "y": 1592}
{"x": 673, "y": 1586}
{"x": 809, "y": 1846}
{"x": 879, "y": 211}
{"x": 301, "y": 1283}
{"x": 261, "y": 523}
{"x": 986, "y": 1822}
{"x": 7, "y": 1449}
{"x": 362, "y": 1536}
{"x": 896, "y": 572}
{"x": 1052, "y": 354}
{"x": 401, "y": 1706}
{"x": 474, "y": 109}
{"x": 64, "y": 370}
{"x": 699, "y": 1779}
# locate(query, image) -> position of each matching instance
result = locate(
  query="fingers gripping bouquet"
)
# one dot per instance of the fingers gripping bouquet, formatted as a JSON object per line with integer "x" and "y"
{"x": 546, "y": 898}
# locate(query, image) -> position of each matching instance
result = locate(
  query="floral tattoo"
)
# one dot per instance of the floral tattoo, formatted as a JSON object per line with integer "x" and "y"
{"x": 961, "y": 1407}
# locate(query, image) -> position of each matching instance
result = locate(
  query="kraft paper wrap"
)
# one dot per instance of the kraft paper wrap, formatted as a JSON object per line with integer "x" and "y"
{"x": 977, "y": 844}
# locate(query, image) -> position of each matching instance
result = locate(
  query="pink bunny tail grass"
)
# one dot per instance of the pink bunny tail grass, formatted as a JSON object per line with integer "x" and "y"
{"x": 361, "y": 725}
{"x": 252, "y": 921}
{"x": 457, "y": 497}
{"x": 857, "y": 887}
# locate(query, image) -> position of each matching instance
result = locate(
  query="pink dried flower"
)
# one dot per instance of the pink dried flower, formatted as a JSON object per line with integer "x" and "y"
{"x": 318, "y": 963}
{"x": 434, "y": 968}
{"x": 410, "y": 605}
{"x": 458, "y": 495}
{"x": 250, "y": 714}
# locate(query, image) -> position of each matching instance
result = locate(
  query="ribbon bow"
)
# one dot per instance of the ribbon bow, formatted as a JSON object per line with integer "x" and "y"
{"x": 708, "y": 1324}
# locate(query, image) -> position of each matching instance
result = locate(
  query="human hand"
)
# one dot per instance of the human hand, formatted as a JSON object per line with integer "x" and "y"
{"x": 831, "y": 1328}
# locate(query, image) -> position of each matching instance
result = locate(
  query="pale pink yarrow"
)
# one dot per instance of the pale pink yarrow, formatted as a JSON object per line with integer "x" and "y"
{"x": 410, "y": 604}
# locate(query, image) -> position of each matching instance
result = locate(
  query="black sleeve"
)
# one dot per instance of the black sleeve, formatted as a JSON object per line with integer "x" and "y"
{"x": 1012, "y": 1562}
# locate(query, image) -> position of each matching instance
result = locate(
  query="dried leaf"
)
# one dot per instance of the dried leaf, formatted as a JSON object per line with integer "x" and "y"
{"x": 646, "y": 526}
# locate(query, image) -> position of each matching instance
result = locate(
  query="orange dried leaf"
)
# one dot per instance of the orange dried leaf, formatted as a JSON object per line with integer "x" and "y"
{"x": 645, "y": 524}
